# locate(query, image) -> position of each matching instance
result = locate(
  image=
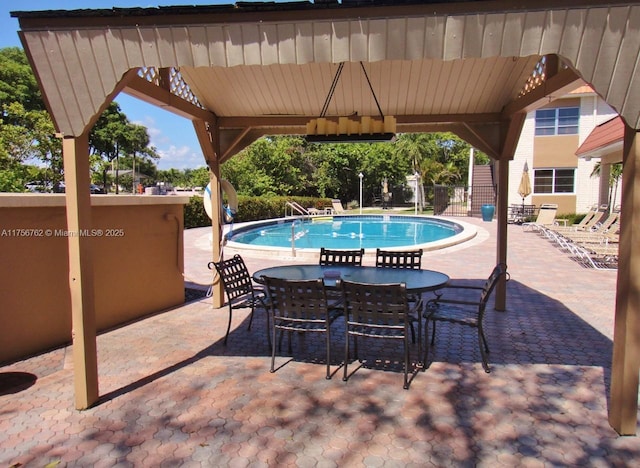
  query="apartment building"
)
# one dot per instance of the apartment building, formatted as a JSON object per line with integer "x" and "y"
{"x": 548, "y": 144}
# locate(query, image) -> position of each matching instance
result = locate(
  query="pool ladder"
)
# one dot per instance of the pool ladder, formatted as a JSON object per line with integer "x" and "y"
{"x": 305, "y": 214}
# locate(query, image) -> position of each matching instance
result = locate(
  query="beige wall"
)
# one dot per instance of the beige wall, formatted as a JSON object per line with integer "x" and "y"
{"x": 138, "y": 259}
{"x": 566, "y": 203}
{"x": 555, "y": 151}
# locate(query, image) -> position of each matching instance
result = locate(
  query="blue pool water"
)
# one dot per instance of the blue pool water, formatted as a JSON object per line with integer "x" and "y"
{"x": 348, "y": 232}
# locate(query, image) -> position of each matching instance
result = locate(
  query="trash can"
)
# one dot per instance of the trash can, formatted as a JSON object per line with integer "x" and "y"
{"x": 487, "y": 212}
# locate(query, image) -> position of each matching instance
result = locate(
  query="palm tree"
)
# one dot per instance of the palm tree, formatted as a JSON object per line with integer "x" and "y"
{"x": 615, "y": 175}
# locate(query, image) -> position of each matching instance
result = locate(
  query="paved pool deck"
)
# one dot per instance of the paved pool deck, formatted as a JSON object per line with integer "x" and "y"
{"x": 173, "y": 395}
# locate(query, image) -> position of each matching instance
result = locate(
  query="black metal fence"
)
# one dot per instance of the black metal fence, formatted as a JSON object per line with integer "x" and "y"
{"x": 462, "y": 200}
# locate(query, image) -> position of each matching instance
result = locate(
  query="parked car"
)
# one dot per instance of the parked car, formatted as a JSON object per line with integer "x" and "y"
{"x": 93, "y": 188}
{"x": 37, "y": 187}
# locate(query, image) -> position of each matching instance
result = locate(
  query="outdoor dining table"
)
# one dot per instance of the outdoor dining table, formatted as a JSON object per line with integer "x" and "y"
{"x": 416, "y": 281}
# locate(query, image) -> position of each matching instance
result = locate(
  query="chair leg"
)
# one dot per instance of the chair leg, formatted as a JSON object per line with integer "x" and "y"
{"x": 226, "y": 336}
{"x": 419, "y": 360}
{"x": 268, "y": 329}
{"x": 406, "y": 363}
{"x": 251, "y": 317}
{"x": 346, "y": 358}
{"x": 273, "y": 348}
{"x": 484, "y": 349}
{"x": 328, "y": 346}
{"x": 433, "y": 333}
{"x": 425, "y": 363}
{"x": 413, "y": 333}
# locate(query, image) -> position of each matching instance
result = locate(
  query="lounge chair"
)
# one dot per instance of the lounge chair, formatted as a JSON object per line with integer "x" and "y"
{"x": 600, "y": 257}
{"x": 611, "y": 224}
{"x": 593, "y": 216}
{"x": 337, "y": 206}
{"x": 546, "y": 217}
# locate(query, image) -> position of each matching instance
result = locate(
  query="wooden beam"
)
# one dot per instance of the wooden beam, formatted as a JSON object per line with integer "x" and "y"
{"x": 153, "y": 94}
{"x": 553, "y": 87}
{"x": 623, "y": 408}
{"x": 203, "y": 133}
{"x": 75, "y": 152}
{"x": 512, "y": 129}
{"x": 486, "y": 138}
{"x": 301, "y": 120}
{"x": 229, "y": 150}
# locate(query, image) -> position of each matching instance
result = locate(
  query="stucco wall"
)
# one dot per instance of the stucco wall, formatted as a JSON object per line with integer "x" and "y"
{"x": 138, "y": 265}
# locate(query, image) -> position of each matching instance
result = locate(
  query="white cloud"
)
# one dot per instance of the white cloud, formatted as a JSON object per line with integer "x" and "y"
{"x": 182, "y": 157}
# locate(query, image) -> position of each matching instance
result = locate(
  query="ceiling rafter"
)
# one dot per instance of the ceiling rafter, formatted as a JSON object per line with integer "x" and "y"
{"x": 153, "y": 94}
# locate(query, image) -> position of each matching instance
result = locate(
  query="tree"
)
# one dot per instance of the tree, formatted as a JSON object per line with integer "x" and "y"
{"x": 26, "y": 130}
{"x": 17, "y": 81}
{"x": 615, "y": 176}
{"x": 112, "y": 137}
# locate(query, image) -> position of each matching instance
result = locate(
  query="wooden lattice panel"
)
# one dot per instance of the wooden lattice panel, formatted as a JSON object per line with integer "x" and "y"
{"x": 177, "y": 85}
{"x": 538, "y": 77}
{"x": 150, "y": 74}
{"x": 180, "y": 88}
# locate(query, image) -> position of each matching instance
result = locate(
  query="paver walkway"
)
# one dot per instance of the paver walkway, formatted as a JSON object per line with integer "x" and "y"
{"x": 173, "y": 395}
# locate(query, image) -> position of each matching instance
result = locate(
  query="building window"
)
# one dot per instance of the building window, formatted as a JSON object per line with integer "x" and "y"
{"x": 558, "y": 121}
{"x": 553, "y": 181}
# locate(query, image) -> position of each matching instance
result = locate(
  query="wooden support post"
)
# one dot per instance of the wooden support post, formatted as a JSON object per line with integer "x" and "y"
{"x": 512, "y": 128}
{"x": 209, "y": 139}
{"x": 623, "y": 408}
{"x": 501, "y": 218}
{"x": 216, "y": 229}
{"x": 81, "y": 281}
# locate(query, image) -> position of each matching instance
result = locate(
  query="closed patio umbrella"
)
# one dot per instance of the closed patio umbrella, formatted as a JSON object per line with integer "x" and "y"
{"x": 524, "y": 189}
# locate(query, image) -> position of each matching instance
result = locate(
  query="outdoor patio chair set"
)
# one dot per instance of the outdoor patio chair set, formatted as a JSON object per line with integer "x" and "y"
{"x": 593, "y": 241}
{"x": 369, "y": 311}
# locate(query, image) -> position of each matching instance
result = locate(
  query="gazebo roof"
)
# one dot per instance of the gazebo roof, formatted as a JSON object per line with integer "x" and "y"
{"x": 259, "y": 68}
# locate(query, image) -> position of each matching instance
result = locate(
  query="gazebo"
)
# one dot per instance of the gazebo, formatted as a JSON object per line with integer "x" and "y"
{"x": 238, "y": 72}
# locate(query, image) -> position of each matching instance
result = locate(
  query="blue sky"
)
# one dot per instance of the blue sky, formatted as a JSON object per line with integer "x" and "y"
{"x": 173, "y": 136}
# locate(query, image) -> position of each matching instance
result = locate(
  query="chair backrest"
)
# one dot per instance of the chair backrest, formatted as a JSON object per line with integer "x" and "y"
{"x": 611, "y": 222}
{"x": 235, "y": 277}
{"x": 499, "y": 270}
{"x": 588, "y": 217}
{"x": 297, "y": 300}
{"x": 341, "y": 257}
{"x": 375, "y": 306}
{"x": 337, "y": 206}
{"x": 547, "y": 213}
{"x": 598, "y": 216}
{"x": 407, "y": 259}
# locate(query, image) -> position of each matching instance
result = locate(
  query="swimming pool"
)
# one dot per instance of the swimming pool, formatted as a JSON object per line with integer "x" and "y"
{"x": 349, "y": 232}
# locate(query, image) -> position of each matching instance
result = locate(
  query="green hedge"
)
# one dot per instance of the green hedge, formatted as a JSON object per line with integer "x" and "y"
{"x": 249, "y": 209}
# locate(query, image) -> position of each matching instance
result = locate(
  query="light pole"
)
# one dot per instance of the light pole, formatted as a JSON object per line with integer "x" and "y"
{"x": 360, "y": 176}
{"x": 415, "y": 195}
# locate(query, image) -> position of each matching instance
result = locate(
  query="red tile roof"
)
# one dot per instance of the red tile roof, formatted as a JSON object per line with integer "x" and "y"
{"x": 603, "y": 135}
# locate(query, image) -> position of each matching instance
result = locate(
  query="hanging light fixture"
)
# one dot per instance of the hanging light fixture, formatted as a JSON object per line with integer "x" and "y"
{"x": 350, "y": 129}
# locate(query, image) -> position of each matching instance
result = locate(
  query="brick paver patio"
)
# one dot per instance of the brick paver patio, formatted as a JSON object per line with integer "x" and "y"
{"x": 173, "y": 395}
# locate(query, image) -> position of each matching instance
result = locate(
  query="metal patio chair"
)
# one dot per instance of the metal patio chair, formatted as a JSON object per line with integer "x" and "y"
{"x": 463, "y": 311}
{"x": 379, "y": 311}
{"x": 240, "y": 290}
{"x": 299, "y": 306}
{"x": 334, "y": 257}
{"x": 404, "y": 259}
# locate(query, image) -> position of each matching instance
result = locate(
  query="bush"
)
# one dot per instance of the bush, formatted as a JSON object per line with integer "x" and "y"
{"x": 195, "y": 214}
{"x": 250, "y": 209}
